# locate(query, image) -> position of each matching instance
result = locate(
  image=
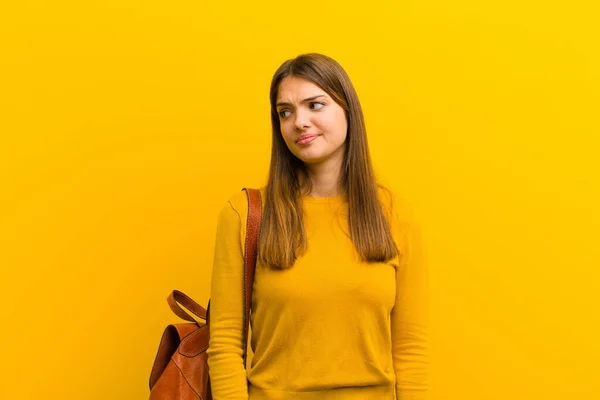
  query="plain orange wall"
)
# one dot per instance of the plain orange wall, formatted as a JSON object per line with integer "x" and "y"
{"x": 125, "y": 127}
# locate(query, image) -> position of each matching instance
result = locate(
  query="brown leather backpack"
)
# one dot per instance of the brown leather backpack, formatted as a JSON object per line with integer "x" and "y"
{"x": 180, "y": 369}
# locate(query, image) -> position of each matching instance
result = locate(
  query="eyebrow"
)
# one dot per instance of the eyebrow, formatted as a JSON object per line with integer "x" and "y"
{"x": 281, "y": 103}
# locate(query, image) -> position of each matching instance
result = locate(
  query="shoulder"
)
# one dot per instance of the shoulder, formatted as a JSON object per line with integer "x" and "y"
{"x": 237, "y": 203}
{"x": 403, "y": 225}
{"x": 396, "y": 205}
{"x": 239, "y": 199}
{"x": 233, "y": 217}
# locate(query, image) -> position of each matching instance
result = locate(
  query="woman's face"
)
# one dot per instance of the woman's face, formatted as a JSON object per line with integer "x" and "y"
{"x": 313, "y": 126}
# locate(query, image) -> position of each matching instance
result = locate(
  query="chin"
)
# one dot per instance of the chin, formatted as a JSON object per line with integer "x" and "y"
{"x": 312, "y": 160}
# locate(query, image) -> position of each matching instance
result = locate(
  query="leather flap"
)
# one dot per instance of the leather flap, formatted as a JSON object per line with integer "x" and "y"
{"x": 195, "y": 343}
{"x": 170, "y": 340}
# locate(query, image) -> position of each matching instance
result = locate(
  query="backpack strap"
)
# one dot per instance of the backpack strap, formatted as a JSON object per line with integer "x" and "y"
{"x": 177, "y": 296}
{"x": 250, "y": 255}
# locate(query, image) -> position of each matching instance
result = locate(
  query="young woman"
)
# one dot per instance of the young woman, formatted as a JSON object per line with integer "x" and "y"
{"x": 339, "y": 301}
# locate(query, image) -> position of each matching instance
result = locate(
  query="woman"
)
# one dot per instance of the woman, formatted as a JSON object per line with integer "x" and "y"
{"x": 339, "y": 301}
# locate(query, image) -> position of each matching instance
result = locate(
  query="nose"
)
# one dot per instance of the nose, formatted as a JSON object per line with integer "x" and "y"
{"x": 302, "y": 120}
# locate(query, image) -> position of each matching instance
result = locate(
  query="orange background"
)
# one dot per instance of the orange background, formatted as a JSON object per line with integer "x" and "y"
{"x": 126, "y": 125}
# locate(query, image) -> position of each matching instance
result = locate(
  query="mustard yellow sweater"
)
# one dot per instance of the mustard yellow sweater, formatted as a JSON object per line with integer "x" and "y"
{"x": 331, "y": 327}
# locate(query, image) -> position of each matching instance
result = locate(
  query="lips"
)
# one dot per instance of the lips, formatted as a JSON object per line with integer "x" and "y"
{"x": 304, "y": 137}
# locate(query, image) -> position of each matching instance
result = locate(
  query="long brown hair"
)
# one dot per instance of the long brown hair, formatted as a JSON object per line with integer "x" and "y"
{"x": 283, "y": 236}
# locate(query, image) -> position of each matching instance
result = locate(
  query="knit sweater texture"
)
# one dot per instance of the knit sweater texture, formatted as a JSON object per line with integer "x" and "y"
{"x": 332, "y": 326}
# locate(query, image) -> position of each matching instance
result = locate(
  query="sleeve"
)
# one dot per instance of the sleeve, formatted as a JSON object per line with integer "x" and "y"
{"x": 409, "y": 317}
{"x": 227, "y": 371}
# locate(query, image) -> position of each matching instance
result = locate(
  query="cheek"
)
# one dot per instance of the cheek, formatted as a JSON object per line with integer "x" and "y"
{"x": 286, "y": 132}
{"x": 335, "y": 123}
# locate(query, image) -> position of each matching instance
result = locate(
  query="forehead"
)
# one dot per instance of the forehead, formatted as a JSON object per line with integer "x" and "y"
{"x": 293, "y": 88}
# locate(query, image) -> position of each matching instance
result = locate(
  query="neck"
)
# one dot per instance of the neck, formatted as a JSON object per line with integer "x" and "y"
{"x": 325, "y": 178}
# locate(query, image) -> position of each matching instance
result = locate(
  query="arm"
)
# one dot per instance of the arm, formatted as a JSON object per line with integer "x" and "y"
{"x": 409, "y": 318}
{"x": 226, "y": 367}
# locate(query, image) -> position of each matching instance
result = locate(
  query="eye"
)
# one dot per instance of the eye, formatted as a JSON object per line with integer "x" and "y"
{"x": 317, "y": 103}
{"x": 282, "y": 113}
